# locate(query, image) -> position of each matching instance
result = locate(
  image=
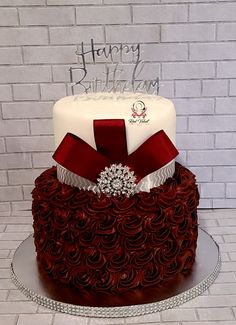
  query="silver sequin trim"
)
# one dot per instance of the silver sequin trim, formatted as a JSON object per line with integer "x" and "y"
{"x": 154, "y": 179}
{"x": 124, "y": 311}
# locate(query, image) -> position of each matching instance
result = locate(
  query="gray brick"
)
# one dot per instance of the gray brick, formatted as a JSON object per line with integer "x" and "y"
{"x": 21, "y": 206}
{"x": 43, "y": 160}
{"x": 49, "y": 54}
{"x": 10, "y": 55}
{"x": 3, "y": 295}
{"x": 225, "y": 105}
{"x": 181, "y": 124}
{"x": 8, "y": 17}
{"x": 5, "y": 284}
{"x": 226, "y": 31}
{"x": 212, "y": 12}
{"x": 61, "y": 319}
{"x": 231, "y": 190}
{"x": 212, "y": 51}
{"x": 194, "y": 106}
{"x": 30, "y": 144}
{"x": 8, "y": 127}
{"x": 72, "y": 2}
{"x": 61, "y": 73}
{"x": 41, "y": 126}
{"x": 5, "y": 93}
{"x": 232, "y": 256}
{"x": 227, "y": 222}
{"x": 228, "y": 267}
{"x": 18, "y": 307}
{"x": 47, "y": 16}
{"x": 27, "y": 110}
{"x": 37, "y": 319}
{"x": 15, "y": 295}
{"x": 24, "y": 36}
{"x": 205, "y": 204}
{"x": 23, "y": 176}
{"x": 226, "y": 276}
{"x": 203, "y": 174}
{"x": 133, "y": 34}
{"x": 2, "y": 145}
{"x": 166, "y": 89}
{"x": 8, "y": 319}
{"x": 189, "y": 1}
{"x": 211, "y": 157}
{"x": 27, "y": 189}
{"x": 188, "y": 70}
{"x": 21, "y": 74}
{"x": 11, "y": 236}
{"x": 4, "y": 273}
{"x": 149, "y": 71}
{"x": 103, "y": 15}
{"x": 212, "y": 190}
{"x": 151, "y": 318}
{"x": 164, "y": 52}
{"x": 225, "y": 140}
{"x": 214, "y": 87}
{"x": 75, "y": 35}
{"x": 224, "y": 204}
{"x": 3, "y": 177}
{"x": 8, "y": 193}
{"x": 52, "y": 91}
{"x": 131, "y": 1}
{"x": 21, "y": 2}
{"x": 224, "y": 174}
{"x": 188, "y": 88}
{"x": 176, "y": 315}
{"x": 195, "y": 141}
{"x": 223, "y": 288}
{"x": 212, "y": 123}
{"x": 226, "y": 69}
{"x": 232, "y": 88}
{"x": 18, "y": 228}
{"x": 15, "y": 161}
{"x": 26, "y": 92}
{"x": 160, "y": 14}
{"x": 187, "y": 32}
{"x": 215, "y": 314}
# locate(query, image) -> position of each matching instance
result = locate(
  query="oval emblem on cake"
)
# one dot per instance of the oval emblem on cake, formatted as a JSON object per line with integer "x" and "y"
{"x": 139, "y": 109}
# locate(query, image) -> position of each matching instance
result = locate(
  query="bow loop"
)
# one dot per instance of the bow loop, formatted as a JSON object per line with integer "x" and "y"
{"x": 80, "y": 158}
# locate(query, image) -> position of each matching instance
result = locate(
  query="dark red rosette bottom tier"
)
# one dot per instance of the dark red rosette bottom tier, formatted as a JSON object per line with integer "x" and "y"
{"x": 115, "y": 244}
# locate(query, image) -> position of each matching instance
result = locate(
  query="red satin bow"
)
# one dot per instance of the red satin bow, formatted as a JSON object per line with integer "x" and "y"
{"x": 79, "y": 157}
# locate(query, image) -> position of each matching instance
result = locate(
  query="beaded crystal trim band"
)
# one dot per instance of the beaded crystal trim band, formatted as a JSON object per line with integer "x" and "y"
{"x": 124, "y": 311}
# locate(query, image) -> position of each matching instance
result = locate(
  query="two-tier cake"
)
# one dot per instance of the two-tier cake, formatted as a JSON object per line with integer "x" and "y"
{"x": 117, "y": 212}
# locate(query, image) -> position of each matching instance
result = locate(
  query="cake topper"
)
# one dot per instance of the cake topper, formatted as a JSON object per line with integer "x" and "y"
{"x": 117, "y": 73}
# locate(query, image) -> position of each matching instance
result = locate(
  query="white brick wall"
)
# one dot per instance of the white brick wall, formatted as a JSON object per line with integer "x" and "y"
{"x": 191, "y": 44}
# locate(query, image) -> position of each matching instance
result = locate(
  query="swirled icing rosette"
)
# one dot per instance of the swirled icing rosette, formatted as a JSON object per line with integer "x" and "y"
{"x": 115, "y": 243}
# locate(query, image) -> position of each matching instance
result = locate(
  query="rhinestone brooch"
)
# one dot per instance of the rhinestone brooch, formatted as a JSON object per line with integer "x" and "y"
{"x": 117, "y": 180}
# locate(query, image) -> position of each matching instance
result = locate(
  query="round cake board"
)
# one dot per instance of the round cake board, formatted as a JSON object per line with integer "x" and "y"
{"x": 58, "y": 297}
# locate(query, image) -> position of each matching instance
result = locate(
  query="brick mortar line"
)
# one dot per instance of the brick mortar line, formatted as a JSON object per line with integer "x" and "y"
{"x": 131, "y": 13}
{"x": 182, "y": 23}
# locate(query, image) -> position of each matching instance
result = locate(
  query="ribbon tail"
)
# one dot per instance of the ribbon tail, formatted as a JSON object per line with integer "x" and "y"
{"x": 152, "y": 155}
{"x": 79, "y": 157}
{"x": 110, "y": 138}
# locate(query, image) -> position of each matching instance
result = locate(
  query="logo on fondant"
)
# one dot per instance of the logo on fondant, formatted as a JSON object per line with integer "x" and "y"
{"x": 139, "y": 109}
{"x": 139, "y": 113}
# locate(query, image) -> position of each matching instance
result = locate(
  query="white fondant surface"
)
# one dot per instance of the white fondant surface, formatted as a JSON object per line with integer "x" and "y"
{"x": 75, "y": 114}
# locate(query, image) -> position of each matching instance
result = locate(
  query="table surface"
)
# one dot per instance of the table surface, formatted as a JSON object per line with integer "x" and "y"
{"x": 216, "y": 306}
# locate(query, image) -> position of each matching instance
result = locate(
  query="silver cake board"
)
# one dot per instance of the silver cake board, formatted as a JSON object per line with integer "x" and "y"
{"x": 61, "y": 298}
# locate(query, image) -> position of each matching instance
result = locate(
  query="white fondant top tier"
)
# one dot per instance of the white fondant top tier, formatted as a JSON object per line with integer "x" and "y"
{"x": 75, "y": 114}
